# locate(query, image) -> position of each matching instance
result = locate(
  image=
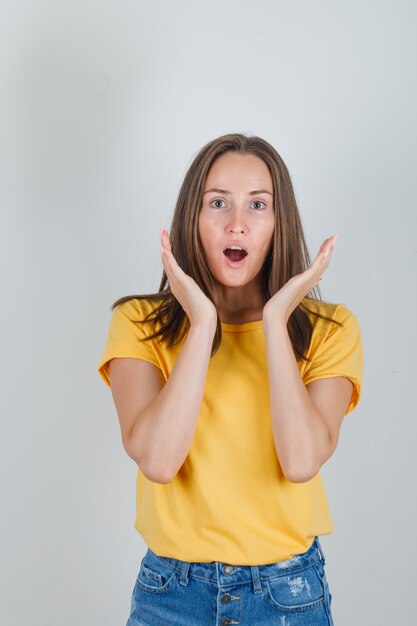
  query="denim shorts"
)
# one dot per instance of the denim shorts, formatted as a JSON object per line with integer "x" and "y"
{"x": 170, "y": 592}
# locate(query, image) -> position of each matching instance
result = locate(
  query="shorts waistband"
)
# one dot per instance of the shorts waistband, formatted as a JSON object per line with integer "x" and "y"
{"x": 223, "y": 573}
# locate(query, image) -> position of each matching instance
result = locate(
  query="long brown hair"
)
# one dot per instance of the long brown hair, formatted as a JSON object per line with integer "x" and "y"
{"x": 288, "y": 254}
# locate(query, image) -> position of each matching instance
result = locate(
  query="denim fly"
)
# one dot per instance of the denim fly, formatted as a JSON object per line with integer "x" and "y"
{"x": 171, "y": 592}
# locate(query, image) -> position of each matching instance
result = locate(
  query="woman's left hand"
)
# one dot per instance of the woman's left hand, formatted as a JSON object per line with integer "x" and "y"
{"x": 283, "y": 303}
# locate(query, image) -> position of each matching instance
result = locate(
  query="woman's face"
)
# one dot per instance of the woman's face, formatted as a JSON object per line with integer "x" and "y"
{"x": 238, "y": 207}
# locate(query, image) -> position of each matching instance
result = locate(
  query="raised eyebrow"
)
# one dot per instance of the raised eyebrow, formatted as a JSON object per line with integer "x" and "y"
{"x": 228, "y": 193}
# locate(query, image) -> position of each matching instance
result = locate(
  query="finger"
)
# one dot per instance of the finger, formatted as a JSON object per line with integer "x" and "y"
{"x": 165, "y": 248}
{"x": 165, "y": 263}
{"x": 169, "y": 257}
{"x": 165, "y": 239}
{"x": 165, "y": 242}
{"x": 170, "y": 274}
{"x": 332, "y": 243}
{"x": 328, "y": 247}
{"x": 322, "y": 259}
{"x": 164, "y": 253}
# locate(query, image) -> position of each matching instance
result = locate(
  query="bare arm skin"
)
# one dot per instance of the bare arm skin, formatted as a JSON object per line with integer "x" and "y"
{"x": 306, "y": 420}
{"x": 158, "y": 421}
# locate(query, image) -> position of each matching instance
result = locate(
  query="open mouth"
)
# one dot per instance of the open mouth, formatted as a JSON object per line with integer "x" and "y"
{"x": 234, "y": 254}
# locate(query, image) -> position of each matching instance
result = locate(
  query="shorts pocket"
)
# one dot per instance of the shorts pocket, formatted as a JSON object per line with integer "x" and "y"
{"x": 301, "y": 591}
{"x": 155, "y": 576}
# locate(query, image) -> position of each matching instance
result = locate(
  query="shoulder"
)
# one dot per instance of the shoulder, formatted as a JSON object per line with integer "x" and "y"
{"x": 136, "y": 309}
{"x": 320, "y": 306}
{"x": 133, "y": 316}
{"x": 338, "y": 311}
{"x": 347, "y": 325}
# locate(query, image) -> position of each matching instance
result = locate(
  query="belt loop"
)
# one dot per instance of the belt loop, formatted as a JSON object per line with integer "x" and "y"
{"x": 257, "y": 586}
{"x": 320, "y": 551}
{"x": 185, "y": 566}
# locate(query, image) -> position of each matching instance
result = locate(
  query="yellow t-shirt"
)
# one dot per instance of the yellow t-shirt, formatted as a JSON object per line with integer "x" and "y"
{"x": 230, "y": 501}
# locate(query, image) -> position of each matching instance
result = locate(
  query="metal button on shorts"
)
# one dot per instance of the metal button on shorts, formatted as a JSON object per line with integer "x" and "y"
{"x": 171, "y": 592}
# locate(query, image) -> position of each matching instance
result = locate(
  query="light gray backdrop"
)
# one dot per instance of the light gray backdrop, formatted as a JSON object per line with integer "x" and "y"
{"x": 103, "y": 106}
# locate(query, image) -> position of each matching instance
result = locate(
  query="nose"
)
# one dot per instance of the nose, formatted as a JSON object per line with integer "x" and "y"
{"x": 236, "y": 223}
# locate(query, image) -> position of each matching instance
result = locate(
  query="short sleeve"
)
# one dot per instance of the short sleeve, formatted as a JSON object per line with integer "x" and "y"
{"x": 124, "y": 338}
{"x": 339, "y": 354}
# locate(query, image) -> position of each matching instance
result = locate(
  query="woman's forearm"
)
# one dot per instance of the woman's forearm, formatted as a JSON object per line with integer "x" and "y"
{"x": 164, "y": 431}
{"x": 301, "y": 436}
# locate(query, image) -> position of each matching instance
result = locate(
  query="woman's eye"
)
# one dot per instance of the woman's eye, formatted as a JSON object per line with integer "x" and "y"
{"x": 255, "y": 202}
{"x": 216, "y": 201}
{"x": 259, "y": 202}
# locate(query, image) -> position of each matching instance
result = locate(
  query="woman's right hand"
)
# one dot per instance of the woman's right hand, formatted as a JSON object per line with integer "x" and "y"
{"x": 195, "y": 303}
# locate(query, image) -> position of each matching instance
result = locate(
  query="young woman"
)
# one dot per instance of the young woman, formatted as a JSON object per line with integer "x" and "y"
{"x": 231, "y": 384}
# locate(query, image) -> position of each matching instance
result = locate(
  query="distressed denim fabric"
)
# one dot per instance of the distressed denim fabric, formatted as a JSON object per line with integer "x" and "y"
{"x": 171, "y": 592}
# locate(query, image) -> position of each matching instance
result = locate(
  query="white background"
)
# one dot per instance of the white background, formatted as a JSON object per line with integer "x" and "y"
{"x": 103, "y": 107}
